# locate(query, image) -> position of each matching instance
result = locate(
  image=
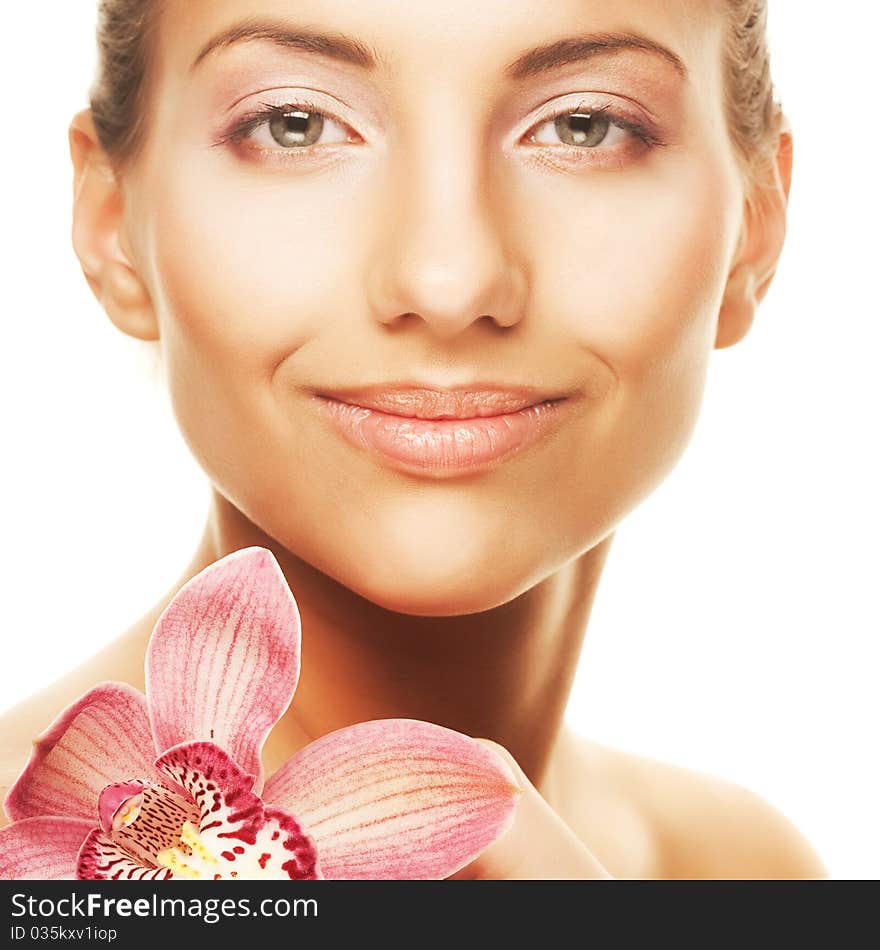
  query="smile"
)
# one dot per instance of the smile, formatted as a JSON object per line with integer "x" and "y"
{"x": 442, "y": 434}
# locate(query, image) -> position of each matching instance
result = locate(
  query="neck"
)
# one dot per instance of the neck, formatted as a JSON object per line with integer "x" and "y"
{"x": 503, "y": 674}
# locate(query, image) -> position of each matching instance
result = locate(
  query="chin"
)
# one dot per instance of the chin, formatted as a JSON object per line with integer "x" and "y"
{"x": 423, "y": 556}
{"x": 442, "y": 597}
{"x": 431, "y": 581}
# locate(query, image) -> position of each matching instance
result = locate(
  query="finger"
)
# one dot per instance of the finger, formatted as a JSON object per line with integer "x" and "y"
{"x": 539, "y": 845}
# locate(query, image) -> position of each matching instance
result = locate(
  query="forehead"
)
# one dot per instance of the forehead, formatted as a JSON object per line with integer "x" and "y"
{"x": 398, "y": 39}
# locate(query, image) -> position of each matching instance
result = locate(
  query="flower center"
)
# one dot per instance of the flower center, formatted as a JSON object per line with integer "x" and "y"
{"x": 212, "y": 828}
{"x": 193, "y": 857}
{"x": 128, "y": 813}
{"x": 120, "y": 805}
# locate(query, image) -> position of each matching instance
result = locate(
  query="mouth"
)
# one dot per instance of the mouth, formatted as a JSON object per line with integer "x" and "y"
{"x": 425, "y": 402}
{"x": 442, "y": 432}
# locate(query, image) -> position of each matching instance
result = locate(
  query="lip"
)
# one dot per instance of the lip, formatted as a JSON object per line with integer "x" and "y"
{"x": 429, "y": 402}
{"x": 442, "y": 432}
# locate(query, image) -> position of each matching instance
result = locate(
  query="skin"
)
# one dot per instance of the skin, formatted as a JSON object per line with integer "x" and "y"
{"x": 437, "y": 241}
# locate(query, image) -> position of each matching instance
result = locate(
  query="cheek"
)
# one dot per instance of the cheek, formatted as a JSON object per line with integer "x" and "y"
{"x": 246, "y": 272}
{"x": 667, "y": 274}
{"x": 639, "y": 281}
{"x": 246, "y": 266}
{"x": 640, "y": 267}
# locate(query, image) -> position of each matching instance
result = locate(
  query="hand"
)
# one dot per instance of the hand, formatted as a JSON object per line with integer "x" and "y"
{"x": 538, "y": 846}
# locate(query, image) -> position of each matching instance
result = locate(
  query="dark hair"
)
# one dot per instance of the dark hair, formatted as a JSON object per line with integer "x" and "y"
{"x": 126, "y": 29}
{"x": 118, "y": 97}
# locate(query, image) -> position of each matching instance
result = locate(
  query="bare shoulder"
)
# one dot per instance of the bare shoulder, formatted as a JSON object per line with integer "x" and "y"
{"x": 695, "y": 825}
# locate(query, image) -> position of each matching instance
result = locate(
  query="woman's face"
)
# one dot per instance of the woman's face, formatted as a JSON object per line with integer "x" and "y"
{"x": 428, "y": 221}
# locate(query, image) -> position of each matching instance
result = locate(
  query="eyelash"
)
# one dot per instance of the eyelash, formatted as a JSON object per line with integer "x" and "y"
{"x": 253, "y": 120}
{"x": 643, "y": 137}
{"x": 250, "y": 122}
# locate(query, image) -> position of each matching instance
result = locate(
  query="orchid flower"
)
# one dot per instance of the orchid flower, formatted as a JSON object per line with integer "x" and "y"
{"x": 170, "y": 785}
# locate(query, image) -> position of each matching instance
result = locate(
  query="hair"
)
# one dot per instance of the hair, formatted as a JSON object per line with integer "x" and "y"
{"x": 126, "y": 30}
{"x": 754, "y": 115}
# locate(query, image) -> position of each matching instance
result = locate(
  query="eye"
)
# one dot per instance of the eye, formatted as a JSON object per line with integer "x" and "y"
{"x": 583, "y": 128}
{"x": 288, "y": 127}
{"x": 296, "y": 128}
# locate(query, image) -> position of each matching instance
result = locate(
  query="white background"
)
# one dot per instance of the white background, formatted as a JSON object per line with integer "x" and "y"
{"x": 736, "y": 629}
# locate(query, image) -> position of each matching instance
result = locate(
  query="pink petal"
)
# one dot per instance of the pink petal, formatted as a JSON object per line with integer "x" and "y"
{"x": 102, "y": 738}
{"x": 252, "y": 840}
{"x": 42, "y": 849}
{"x": 102, "y": 859}
{"x": 223, "y": 660}
{"x": 396, "y": 798}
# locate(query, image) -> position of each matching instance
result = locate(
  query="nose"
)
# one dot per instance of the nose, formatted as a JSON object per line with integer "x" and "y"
{"x": 444, "y": 256}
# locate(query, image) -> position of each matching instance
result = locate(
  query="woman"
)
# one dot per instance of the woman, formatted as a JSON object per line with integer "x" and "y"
{"x": 435, "y": 301}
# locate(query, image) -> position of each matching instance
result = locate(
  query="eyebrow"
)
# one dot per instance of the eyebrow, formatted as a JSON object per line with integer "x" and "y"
{"x": 347, "y": 49}
{"x": 577, "y": 49}
{"x": 350, "y": 50}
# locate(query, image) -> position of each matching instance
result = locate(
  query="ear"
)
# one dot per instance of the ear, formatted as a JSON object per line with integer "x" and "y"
{"x": 760, "y": 244}
{"x": 98, "y": 236}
